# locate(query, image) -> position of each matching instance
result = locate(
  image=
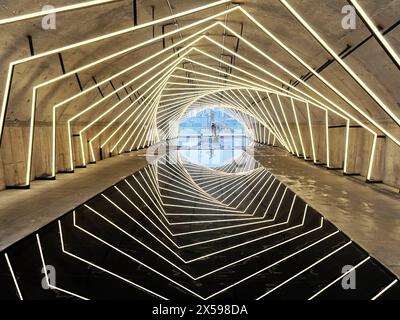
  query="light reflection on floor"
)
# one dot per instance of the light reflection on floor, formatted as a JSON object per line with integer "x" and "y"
{"x": 212, "y": 152}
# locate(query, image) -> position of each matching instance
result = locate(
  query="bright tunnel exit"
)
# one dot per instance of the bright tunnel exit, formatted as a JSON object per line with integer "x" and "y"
{"x": 212, "y": 137}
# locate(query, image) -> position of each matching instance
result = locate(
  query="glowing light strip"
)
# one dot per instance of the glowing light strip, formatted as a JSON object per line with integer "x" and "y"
{"x": 109, "y": 110}
{"x": 341, "y": 62}
{"x": 237, "y": 226}
{"x": 287, "y": 125}
{"x": 171, "y": 56}
{"x": 280, "y": 124}
{"x": 150, "y": 101}
{"x": 170, "y": 66}
{"x": 346, "y": 146}
{"x": 55, "y": 10}
{"x": 311, "y": 133}
{"x": 328, "y": 161}
{"x": 269, "y": 118}
{"x": 92, "y": 40}
{"x": 278, "y": 65}
{"x": 372, "y": 158}
{"x": 393, "y": 54}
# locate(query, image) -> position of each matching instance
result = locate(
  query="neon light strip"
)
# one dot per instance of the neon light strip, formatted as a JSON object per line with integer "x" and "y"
{"x": 341, "y": 62}
{"x": 38, "y": 14}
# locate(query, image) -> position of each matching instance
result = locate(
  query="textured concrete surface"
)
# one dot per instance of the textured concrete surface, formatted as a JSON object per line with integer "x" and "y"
{"x": 24, "y": 211}
{"x": 370, "y": 217}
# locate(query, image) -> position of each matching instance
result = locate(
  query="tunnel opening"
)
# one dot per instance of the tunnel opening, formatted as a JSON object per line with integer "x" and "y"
{"x": 212, "y": 137}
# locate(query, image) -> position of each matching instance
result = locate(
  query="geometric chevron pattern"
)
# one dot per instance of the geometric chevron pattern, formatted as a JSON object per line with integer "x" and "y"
{"x": 202, "y": 65}
{"x": 177, "y": 230}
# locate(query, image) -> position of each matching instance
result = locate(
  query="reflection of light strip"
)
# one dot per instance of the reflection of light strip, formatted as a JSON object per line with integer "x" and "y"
{"x": 13, "y": 276}
{"x": 235, "y": 262}
{"x": 202, "y": 193}
{"x": 188, "y": 177}
{"x": 226, "y": 220}
{"x": 244, "y": 179}
{"x": 139, "y": 262}
{"x": 234, "y": 220}
{"x": 376, "y": 32}
{"x": 342, "y": 276}
{"x": 223, "y": 228}
{"x": 341, "y": 62}
{"x": 46, "y": 275}
{"x": 306, "y": 269}
{"x": 384, "y": 290}
{"x": 187, "y": 245}
{"x": 301, "y": 224}
{"x": 279, "y": 261}
{"x": 138, "y": 241}
{"x": 103, "y": 269}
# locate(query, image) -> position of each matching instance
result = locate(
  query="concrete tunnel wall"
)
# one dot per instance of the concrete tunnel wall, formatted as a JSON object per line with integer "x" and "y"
{"x": 369, "y": 62}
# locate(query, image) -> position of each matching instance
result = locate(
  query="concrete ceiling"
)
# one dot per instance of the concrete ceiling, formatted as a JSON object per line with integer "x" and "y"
{"x": 368, "y": 60}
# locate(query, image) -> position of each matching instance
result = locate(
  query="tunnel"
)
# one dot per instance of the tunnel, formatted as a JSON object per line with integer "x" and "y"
{"x": 200, "y": 150}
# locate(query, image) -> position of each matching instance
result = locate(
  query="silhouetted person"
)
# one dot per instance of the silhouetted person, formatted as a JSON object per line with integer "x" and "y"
{"x": 213, "y": 130}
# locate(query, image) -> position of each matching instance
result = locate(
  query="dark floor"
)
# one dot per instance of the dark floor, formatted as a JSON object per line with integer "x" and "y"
{"x": 24, "y": 211}
{"x": 178, "y": 230}
{"x": 367, "y": 213}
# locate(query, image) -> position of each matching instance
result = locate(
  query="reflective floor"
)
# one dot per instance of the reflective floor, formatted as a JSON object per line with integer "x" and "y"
{"x": 181, "y": 228}
{"x": 213, "y": 152}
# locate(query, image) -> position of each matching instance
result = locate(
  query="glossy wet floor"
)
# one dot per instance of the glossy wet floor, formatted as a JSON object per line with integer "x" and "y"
{"x": 177, "y": 230}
